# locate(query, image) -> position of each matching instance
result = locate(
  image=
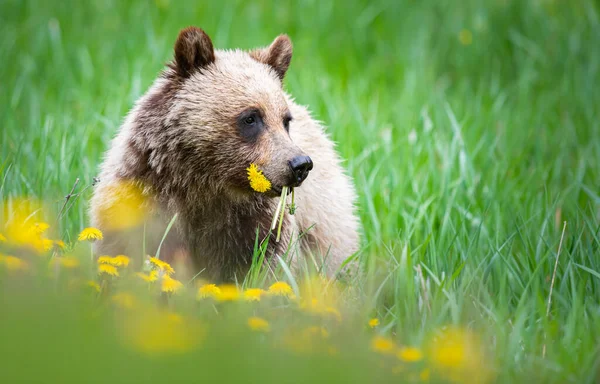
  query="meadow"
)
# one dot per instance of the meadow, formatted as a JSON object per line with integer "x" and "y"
{"x": 471, "y": 130}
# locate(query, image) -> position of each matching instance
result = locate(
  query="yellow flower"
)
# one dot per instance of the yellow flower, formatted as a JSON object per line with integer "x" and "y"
{"x": 93, "y": 285}
{"x": 125, "y": 206}
{"x": 281, "y": 289}
{"x": 258, "y": 181}
{"x": 254, "y": 294}
{"x": 410, "y": 354}
{"x": 162, "y": 265}
{"x": 39, "y": 228}
{"x": 2, "y": 238}
{"x": 258, "y": 324}
{"x": 465, "y": 37}
{"x": 170, "y": 285}
{"x": 151, "y": 277}
{"x": 117, "y": 261}
{"x": 13, "y": 263}
{"x": 90, "y": 234}
{"x": 66, "y": 262}
{"x": 124, "y": 300}
{"x": 228, "y": 292}
{"x": 208, "y": 290}
{"x": 383, "y": 345}
{"x": 373, "y": 322}
{"x": 108, "y": 269}
{"x": 60, "y": 244}
{"x": 47, "y": 244}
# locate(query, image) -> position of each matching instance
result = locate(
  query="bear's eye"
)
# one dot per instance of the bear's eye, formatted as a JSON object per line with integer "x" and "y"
{"x": 250, "y": 124}
{"x": 286, "y": 122}
{"x": 249, "y": 120}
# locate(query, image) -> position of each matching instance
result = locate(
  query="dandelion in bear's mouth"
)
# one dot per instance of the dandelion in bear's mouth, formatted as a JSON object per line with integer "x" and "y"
{"x": 258, "y": 181}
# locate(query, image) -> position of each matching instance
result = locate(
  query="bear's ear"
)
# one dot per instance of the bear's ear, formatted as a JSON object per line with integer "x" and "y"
{"x": 193, "y": 50}
{"x": 278, "y": 55}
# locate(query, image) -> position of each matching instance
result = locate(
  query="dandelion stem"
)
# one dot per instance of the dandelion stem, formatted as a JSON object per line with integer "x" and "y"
{"x": 274, "y": 222}
{"x": 283, "y": 197}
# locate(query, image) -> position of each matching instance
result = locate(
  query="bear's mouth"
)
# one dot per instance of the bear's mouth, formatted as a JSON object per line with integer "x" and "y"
{"x": 276, "y": 190}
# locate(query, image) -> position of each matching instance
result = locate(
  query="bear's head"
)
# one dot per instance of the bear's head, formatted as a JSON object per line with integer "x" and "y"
{"x": 228, "y": 110}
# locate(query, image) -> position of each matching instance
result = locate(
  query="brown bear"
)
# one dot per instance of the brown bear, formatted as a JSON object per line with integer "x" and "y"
{"x": 183, "y": 153}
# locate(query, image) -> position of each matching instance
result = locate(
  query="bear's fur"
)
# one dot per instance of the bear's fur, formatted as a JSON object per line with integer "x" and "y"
{"x": 184, "y": 147}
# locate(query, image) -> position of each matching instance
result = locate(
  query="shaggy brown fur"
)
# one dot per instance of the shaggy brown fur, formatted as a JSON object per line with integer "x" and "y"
{"x": 186, "y": 145}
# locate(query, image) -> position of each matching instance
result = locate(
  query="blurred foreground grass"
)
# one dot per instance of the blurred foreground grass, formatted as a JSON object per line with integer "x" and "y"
{"x": 471, "y": 130}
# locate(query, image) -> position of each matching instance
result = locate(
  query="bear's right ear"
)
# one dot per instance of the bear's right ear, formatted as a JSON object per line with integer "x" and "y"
{"x": 193, "y": 51}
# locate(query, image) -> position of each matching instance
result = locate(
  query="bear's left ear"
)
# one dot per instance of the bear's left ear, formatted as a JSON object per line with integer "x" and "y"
{"x": 278, "y": 55}
{"x": 193, "y": 50}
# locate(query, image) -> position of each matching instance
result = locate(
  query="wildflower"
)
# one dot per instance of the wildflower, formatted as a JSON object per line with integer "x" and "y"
{"x": 60, "y": 244}
{"x": 410, "y": 354}
{"x": 162, "y": 265}
{"x": 254, "y": 294}
{"x": 170, "y": 285}
{"x": 281, "y": 289}
{"x": 465, "y": 37}
{"x": 258, "y": 324}
{"x": 374, "y": 322}
{"x": 39, "y": 228}
{"x": 124, "y": 300}
{"x": 208, "y": 290}
{"x": 47, "y": 244}
{"x": 150, "y": 277}
{"x": 258, "y": 181}
{"x": 126, "y": 208}
{"x": 95, "y": 286}
{"x": 90, "y": 234}
{"x": 13, "y": 263}
{"x": 66, "y": 262}
{"x": 383, "y": 345}
{"x": 2, "y": 238}
{"x": 108, "y": 269}
{"x": 228, "y": 292}
{"x": 117, "y": 261}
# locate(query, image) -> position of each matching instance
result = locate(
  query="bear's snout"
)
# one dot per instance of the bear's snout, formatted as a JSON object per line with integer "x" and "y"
{"x": 300, "y": 166}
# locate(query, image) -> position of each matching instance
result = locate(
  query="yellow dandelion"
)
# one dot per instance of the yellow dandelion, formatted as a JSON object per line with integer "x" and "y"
{"x": 117, "y": 261}
{"x": 39, "y": 228}
{"x": 66, "y": 262}
{"x": 60, "y": 244}
{"x": 162, "y": 265}
{"x": 13, "y": 263}
{"x": 208, "y": 290}
{"x": 253, "y": 294}
{"x": 47, "y": 244}
{"x": 2, "y": 238}
{"x": 259, "y": 324}
{"x": 124, "y": 300}
{"x": 125, "y": 206}
{"x": 150, "y": 277}
{"x": 374, "y": 322}
{"x": 281, "y": 289}
{"x": 104, "y": 260}
{"x": 95, "y": 286}
{"x": 228, "y": 292}
{"x": 258, "y": 181}
{"x": 410, "y": 354}
{"x": 465, "y": 37}
{"x": 170, "y": 285}
{"x": 383, "y": 345}
{"x": 90, "y": 234}
{"x": 107, "y": 269}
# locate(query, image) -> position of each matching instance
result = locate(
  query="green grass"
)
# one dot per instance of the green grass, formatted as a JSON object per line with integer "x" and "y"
{"x": 468, "y": 159}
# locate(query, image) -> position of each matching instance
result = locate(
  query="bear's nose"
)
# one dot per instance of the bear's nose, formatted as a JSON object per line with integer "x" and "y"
{"x": 300, "y": 165}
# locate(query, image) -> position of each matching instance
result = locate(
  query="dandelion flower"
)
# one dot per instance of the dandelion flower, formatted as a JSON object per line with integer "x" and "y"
{"x": 228, "y": 292}
{"x": 382, "y": 345}
{"x": 258, "y": 181}
{"x": 13, "y": 263}
{"x": 47, "y": 244}
{"x": 208, "y": 290}
{"x": 162, "y": 265}
{"x": 410, "y": 354}
{"x": 117, "y": 261}
{"x": 281, "y": 289}
{"x": 170, "y": 285}
{"x": 254, "y": 294}
{"x": 258, "y": 324}
{"x": 95, "y": 286}
{"x": 90, "y": 234}
{"x": 2, "y": 238}
{"x": 150, "y": 277}
{"x": 60, "y": 244}
{"x": 39, "y": 228}
{"x": 107, "y": 269}
{"x": 374, "y": 322}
